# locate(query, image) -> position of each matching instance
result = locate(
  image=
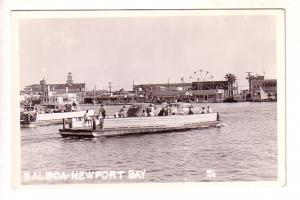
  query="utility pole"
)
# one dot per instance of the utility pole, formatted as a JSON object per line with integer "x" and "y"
{"x": 249, "y": 77}
{"x": 94, "y": 93}
{"x": 133, "y": 85}
{"x": 109, "y": 83}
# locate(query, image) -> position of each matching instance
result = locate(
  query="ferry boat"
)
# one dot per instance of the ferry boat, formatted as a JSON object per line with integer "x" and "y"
{"x": 136, "y": 122}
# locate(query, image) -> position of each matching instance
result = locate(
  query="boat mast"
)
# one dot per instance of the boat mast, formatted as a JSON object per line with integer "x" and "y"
{"x": 94, "y": 91}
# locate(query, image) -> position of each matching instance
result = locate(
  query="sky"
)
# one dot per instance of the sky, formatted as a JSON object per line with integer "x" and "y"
{"x": 145, "y": 49}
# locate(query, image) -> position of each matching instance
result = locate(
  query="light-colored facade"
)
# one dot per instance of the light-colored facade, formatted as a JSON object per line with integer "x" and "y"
{"x": 55, "y": 93}
{"x": 268, "y": 86}
{"x": 202, "y": 91}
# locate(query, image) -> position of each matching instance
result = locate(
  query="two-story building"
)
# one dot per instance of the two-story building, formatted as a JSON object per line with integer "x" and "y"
{"x": 264, "y": 87}
{"x": 57, "y": 92}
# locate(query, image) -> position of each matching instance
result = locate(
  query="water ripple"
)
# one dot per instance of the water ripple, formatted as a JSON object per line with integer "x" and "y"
{"x": 244, "y": 149}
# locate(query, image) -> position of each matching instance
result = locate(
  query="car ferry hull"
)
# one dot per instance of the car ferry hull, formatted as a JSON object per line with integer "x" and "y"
{"x": 142, "y": 125}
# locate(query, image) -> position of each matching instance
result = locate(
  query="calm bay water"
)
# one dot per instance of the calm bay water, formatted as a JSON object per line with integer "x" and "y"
{"x": 244, "y": 149}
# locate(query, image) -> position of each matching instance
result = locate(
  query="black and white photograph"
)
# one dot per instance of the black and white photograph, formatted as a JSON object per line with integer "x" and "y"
{"x": 148, "y": 96}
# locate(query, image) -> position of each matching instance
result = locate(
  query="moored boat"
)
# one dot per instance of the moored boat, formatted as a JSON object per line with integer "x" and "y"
{"x": 34, "y": 118}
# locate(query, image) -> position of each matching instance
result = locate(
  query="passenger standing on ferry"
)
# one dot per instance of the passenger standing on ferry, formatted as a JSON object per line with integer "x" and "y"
{"x": 148, "y": 110}
{"x": 102, "y": 113}
{"x": 122, "y": 112}
{"x": 209, "y": 110}
{"x": 144, "y": 114}
{"x": 86, "y": 118}
{"x": 203, "y": 110}
{"x": 151, "y": 114}
{"x": 190, "y": 111}
{"x": 164, "y": 108}
{"x": 74, "y": 106}
{"x": 153, "y": 107}
{"x": 170, "y": 109}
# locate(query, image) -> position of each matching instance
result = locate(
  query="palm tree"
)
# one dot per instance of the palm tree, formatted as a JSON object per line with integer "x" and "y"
{"x": 230, "y": 78}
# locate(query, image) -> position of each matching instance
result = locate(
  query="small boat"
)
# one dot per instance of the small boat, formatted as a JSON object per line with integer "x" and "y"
{"x": 264, "y": 97}
{"x": 133, "y": 123}
{"x": 32, "y": 117}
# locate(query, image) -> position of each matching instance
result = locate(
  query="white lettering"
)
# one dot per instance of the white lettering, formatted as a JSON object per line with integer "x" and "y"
{"x": 48, "y": 175}
{"x": 136, "y": 174}
{"x": 90, "y": 175}
{"x": 36, "y": 176}
{"x": 98, "y": 174}
{"x": 74, "y": 175}
{"x": 27, "y": 176}
{"x": 143, "y": 173}
{"x": 64, "y": 176}
{"x": 112, "y": 175}
{"x": 81, "y": 175}
{"x": 56, "y": 176}
{"x": 120, "y": 173}
{"x": 104, "y": 175}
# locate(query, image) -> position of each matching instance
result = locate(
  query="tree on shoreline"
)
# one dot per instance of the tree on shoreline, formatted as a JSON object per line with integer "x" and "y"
{"x": 231, "y": 79}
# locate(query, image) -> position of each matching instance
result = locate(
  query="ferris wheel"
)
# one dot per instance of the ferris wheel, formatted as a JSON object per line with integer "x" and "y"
{"x": 199, "y": 75}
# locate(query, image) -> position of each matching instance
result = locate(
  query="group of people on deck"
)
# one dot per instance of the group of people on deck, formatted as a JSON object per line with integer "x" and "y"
{"x": 148, "y": 111}
{"x": 87, "y": 119}
{"x": 121, "y": 113}
{"x": 203, "y": 111}
{"x": 169, "y": 109}
{"x": 208, "y": 110}
{"x": 102, "y": 114}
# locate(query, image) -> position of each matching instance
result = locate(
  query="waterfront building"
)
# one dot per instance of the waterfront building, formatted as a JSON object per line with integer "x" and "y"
{"x": 68, "y": 87}
{"x": 170, "y": 92}
{"x": 56, "y": 92}
{"x": 261, "y": 88}
{"x": 244, "y": 95}
{"x": 266, "y": 86}
{"x": 202, "y": 91}
{"x": 148, "y": 88}
{"x": 213, "y": 91}
{"x": 107, "y": 97}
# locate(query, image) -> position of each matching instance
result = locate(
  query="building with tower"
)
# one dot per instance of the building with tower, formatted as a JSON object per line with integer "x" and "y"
{"x": 48, "y": 92}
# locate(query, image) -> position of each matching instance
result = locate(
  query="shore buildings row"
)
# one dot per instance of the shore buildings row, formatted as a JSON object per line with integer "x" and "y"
{"x": 44, "y": 93}
{"x": 200, "y": 91}
{"x": 204, "y": 91}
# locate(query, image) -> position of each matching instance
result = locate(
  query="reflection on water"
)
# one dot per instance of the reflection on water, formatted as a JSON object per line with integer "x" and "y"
{"x": 244, "y": 149}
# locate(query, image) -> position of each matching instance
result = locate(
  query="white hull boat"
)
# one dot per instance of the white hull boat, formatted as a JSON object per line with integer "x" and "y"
{"x": 138, "y": 125}
{"x": 36, "y": 119}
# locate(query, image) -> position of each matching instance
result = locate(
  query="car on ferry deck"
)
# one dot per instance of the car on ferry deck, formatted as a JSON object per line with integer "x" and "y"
{"x": 181, "y": 108}
{"x": 136, "y": 110}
